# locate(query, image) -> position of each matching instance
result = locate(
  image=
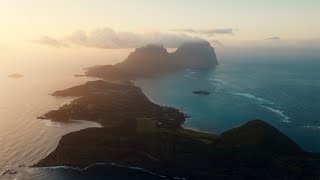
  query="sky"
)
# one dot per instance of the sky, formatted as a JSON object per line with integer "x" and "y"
{"x": 96, "y": 23}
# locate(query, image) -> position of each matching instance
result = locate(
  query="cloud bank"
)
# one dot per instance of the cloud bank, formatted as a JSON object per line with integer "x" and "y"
{"x": 272, "y": 38}
{"x": 216, "y": 43}
{"x": 207, "y": 32}
{"x": 49, "y": 41}
{"x": 108, "y": 38}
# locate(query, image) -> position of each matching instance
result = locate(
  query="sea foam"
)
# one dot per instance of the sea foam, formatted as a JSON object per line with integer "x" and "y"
{"x": 253, "y": 97}
{"x": 218, "y": 83}
{"x": 280, "y": 113}
{"x": 313, "y": 127}
{"x": 265, "y": 104}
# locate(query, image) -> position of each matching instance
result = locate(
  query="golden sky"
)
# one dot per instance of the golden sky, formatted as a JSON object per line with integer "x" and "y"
{"x": 232, "y": 21}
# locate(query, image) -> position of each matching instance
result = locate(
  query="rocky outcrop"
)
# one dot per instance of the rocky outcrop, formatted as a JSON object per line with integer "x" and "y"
{"x": 201, "y": 92}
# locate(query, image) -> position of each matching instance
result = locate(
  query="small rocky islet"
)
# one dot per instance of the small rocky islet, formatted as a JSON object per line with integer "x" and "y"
{"x": 15, "y": 76}
{"x": 137, "y": 132}
{"x": 201, "y": 92}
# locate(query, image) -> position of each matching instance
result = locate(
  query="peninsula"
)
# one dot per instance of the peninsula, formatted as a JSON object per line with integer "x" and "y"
{"x": 137, "y": 132}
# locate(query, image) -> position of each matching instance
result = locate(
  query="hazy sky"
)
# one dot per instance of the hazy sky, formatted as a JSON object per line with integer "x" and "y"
{"x": 223, "y": 20}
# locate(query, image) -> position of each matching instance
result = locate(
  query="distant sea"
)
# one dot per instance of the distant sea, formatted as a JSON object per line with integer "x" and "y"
{"x": 281, "y": 90}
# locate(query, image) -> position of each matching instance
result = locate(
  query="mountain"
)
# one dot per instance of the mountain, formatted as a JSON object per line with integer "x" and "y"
{"x": 196, "y": 55}
{"x": 148, "y": 60}
{"x": 262, "y": 135}
{"x": 155, "y": 59}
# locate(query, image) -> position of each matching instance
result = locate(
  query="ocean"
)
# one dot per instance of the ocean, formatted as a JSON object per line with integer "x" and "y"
{"x": 24, "y": 139}
{"x": 281, "y": 90}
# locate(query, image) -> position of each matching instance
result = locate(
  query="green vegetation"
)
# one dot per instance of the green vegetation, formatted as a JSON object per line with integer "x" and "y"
{"x": 202, "y": 136}
{"x": 146, "y": 125}
{"x": 113, "y": 104}
{"x": 137, "y": 132}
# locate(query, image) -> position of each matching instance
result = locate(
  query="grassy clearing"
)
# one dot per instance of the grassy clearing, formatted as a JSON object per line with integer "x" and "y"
{"x": 202, "y": 136}
{"x": 146, "y": 125}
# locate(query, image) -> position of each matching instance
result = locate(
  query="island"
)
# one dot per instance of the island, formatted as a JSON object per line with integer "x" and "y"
{"x": 152, "y": 60}
{"x": 139, "y": 133}
{"x": 15, "y": 76}
{"x": 201, "y": 92}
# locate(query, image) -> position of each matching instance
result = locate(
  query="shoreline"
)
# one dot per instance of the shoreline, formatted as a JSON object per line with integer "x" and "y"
{"x": 49, "y": 122}
{"x": 112, "y": 165}
{"x": 136, "y": 132}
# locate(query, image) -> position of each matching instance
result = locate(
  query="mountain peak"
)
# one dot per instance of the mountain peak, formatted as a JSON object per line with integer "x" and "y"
{"x": 262, "y": 135}
{"x": 198, "y": 54}
{"x": 151, "y": 48}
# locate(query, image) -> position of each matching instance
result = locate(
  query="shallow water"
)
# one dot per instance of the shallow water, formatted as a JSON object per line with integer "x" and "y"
{"x": 24, "y": 139}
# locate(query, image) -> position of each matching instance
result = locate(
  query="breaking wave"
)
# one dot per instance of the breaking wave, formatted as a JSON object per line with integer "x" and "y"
{"x": 265, "y": 104}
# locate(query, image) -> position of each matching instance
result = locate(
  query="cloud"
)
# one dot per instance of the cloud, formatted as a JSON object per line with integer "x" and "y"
{"x": 216, "y": 43}
{"x": 216, "y": 31}
{"x": 272, "y": 38}
{"x": 108, "y": 38}
{"x": 207, "y": 32}
{"x": 49, "y": 41}
{"x": 187, "y": 30}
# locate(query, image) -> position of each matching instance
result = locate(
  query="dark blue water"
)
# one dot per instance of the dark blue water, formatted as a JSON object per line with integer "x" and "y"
{"x": 284, "y": 92}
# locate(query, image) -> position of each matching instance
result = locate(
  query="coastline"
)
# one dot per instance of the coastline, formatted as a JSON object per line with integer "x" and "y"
{"x": 130, "y": 169}
{"x": 138, "y": 132}
{"x": 206, "y": 143}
